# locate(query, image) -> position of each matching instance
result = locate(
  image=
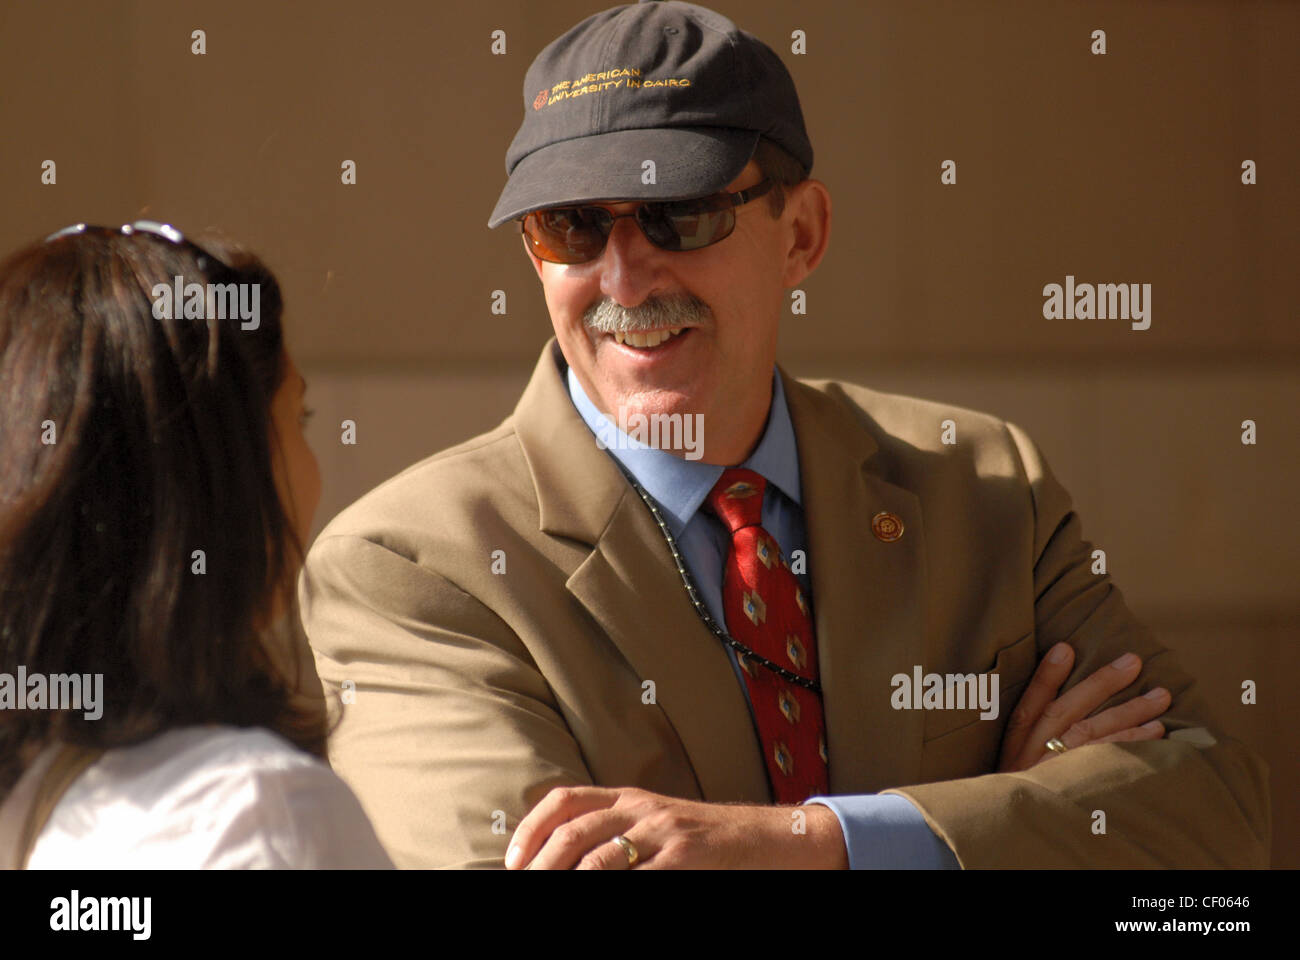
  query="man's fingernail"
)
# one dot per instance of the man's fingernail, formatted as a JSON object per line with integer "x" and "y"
{"x": 1153, "y": 726}
{"x": 1059, "y": 653}
{"x": 1126, "y": 661}
{"x": 1157, "y": 694}
{"x": 512, "y": 856}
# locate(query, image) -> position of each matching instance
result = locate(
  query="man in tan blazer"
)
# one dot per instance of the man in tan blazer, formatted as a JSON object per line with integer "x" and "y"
{"x": 507, "y": 617}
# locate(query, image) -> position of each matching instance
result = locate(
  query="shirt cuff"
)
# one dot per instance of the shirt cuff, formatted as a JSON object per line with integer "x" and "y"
{"x": 887, "y": 832}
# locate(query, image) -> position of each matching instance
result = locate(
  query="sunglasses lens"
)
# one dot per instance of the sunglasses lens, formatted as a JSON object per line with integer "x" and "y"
{"x": 566, "y": 234}
{"x": 692, "y": 224}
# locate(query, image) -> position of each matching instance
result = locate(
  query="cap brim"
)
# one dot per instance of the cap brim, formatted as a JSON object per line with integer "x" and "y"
{"x": 689, "y": 162}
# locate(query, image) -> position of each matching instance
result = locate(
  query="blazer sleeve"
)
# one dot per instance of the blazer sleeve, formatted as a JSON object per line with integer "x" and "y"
{"x": 1193, "y": 799}
{"x": 452, "y": 733}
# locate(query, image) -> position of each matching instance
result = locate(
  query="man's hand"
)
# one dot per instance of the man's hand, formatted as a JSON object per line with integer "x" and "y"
{"x": 1041, "y": 715}
{"x": 573, "y": 827}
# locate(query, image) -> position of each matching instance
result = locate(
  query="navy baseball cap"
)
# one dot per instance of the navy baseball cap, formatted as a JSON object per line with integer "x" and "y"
{"x": 656, "y": 80}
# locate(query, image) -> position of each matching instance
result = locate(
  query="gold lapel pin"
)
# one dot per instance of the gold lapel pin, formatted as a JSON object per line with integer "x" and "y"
{"x": 887, "y": 526}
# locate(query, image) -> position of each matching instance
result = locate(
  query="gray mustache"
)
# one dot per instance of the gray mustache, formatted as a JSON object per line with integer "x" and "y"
{"x": 670, "y": 311}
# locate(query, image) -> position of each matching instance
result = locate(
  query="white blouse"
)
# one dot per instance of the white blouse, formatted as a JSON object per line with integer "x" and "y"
{"x": 207, "y": 797}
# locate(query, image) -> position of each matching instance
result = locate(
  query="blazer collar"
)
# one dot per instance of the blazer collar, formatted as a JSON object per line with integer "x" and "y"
{"x": 630, "y": 585}
{"x": 578, "y": 485}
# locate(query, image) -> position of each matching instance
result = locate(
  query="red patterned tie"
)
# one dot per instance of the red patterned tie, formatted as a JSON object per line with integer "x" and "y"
{"x": 766, "y": 611}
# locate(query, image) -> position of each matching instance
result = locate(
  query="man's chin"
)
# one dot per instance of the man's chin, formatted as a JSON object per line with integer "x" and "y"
{"x": 655, "y": 402}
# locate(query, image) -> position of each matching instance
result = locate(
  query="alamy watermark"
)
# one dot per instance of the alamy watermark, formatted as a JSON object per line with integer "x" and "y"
{"x": 1102, "y": 301}
{"x": 945, "y": 691}
{"x": 208, "y": 301}
{"x": 58, "y": 691}
{"x": 682, "y": 432}
{"x": 77, "y": 913}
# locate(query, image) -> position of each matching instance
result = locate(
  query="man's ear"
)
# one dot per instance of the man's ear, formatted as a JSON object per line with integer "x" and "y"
{"x": 807, "y": 225}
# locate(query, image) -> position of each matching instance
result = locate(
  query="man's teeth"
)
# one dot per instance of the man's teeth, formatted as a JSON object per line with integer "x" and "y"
{"x": 650, "y": 339}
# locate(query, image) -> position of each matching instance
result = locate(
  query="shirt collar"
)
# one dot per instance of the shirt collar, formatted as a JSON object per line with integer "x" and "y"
{"x": 680, "y": 486}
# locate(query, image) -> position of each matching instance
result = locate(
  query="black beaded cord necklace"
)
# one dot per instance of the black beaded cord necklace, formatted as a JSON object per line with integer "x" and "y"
{"x": 701, "y": 610}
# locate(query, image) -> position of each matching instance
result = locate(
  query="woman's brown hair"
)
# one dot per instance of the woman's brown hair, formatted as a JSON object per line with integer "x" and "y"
{"x": 162, "y": 438}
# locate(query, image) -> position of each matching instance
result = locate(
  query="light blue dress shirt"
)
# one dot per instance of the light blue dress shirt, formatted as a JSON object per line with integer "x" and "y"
{"x": 881, "y": 831}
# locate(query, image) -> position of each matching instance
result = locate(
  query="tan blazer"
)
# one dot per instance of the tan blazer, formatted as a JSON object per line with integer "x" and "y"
{"x": 474, "y": 692}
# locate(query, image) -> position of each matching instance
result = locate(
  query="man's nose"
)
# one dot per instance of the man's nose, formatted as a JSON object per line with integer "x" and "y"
{"x": 628, "y": 264}
{"x": 627, "y": 242}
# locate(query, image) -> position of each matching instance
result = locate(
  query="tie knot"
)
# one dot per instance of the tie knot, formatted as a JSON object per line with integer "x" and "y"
{"x": 737, "y": 498}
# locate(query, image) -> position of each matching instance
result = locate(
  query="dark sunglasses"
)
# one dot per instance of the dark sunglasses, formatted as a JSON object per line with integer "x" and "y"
{"x": 578, "y": 234}
{"x": 163, "y": 231}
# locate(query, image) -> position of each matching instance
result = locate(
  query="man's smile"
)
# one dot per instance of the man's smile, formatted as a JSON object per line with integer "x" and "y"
{"x": 646, "y": 347}
{"x": 647, "y": 338}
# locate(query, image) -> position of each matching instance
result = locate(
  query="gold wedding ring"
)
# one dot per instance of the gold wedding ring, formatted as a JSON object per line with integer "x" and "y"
{"x": 1056, "y": 746}
{"x": 629, "y": 848}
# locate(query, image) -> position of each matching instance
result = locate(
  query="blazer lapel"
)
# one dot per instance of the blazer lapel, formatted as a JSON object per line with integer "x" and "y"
{"x": 867, "y": 595}
{"x": 630, "y": 585}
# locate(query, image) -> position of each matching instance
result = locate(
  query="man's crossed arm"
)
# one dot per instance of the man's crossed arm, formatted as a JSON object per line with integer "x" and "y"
{"x": 572, "y": 827}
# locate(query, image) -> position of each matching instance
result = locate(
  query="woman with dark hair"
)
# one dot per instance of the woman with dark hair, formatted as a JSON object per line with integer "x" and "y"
{"x": 155, "y": 493}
